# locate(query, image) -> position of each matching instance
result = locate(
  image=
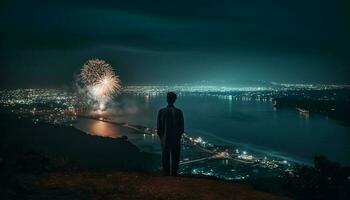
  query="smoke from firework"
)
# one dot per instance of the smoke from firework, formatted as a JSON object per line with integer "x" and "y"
{"x": 100, "y": 80}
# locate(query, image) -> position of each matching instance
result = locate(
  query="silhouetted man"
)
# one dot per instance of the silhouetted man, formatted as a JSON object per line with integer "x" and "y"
{"x": 170, "y": 127}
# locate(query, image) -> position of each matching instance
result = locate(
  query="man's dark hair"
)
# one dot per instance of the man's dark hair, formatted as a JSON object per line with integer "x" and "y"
{"x": 171, "y": 98}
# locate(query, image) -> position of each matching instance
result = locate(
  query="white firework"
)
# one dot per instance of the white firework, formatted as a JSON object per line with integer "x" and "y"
{"x": 100, "y": 79}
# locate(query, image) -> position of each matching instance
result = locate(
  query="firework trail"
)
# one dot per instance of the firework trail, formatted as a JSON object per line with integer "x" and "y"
{"x": 100, "y": 80}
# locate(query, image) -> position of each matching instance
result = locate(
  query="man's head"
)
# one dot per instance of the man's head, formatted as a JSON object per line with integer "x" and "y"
{"x": 171, "y": 98}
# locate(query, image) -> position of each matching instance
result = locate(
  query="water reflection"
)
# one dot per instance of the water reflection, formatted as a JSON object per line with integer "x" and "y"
{"x": 230, "y": 104}
{"x": 146, "y": 102}
{"x": 100, "y": 128}
{"x": 150, "y": 137}
{"x": 304, "y": 115}
{"x": 146, "y": 142}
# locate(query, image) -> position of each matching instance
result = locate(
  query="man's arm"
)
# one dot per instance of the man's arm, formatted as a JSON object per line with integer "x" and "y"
{"x": 182, "y": 129}
{"x": 159, "y": 124}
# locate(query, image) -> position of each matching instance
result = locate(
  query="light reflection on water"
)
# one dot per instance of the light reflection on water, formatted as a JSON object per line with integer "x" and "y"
{"x": 99, "y": 128}
{"x": 149, "y": 143}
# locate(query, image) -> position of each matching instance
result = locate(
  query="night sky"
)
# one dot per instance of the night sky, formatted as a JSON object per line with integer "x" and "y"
{"x": 44, "y": 44}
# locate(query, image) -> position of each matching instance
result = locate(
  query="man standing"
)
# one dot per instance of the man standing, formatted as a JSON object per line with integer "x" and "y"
{"x": 170, "y": 127}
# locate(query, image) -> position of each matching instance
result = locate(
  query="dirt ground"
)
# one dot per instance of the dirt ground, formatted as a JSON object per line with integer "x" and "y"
{"x": 126, "y": 185}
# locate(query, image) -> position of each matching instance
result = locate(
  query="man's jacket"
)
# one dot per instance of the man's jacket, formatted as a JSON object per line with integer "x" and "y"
{"x": 170, "y": 126}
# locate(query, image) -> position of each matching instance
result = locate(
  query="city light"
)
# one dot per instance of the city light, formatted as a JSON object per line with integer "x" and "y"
{"x": 58, "y": 106}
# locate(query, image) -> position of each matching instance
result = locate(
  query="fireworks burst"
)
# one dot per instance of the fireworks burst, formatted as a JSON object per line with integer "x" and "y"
{"x": 100, "y": 80}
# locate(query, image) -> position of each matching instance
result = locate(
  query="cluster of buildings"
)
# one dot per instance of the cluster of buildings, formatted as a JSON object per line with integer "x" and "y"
{"x": 229, "y": 162}
{"x": 263, "y": 94}
{"x": 49, "y": 105}
{"x": 274, "y": 87}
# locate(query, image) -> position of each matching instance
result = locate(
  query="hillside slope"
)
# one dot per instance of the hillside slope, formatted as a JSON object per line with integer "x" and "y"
{"x": 128, "y": 185}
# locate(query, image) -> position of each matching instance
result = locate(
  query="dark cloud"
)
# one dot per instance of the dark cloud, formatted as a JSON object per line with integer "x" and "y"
{"x": 258, "y": 36}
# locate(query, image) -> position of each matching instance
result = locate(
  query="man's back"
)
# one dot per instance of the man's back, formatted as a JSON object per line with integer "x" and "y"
{"x": 170, "y": 124}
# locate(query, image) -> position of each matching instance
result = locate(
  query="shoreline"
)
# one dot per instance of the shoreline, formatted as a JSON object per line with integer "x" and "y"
{"x": 211, "y": 152}
{"x": 253, "y": 148}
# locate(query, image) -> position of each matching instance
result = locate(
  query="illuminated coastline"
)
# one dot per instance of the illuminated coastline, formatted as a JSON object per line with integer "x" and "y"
{"x": 201, "y": 157}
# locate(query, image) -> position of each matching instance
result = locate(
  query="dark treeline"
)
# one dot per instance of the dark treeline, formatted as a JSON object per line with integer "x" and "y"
{"x": 324, "y": 180}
